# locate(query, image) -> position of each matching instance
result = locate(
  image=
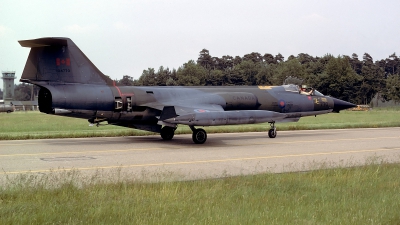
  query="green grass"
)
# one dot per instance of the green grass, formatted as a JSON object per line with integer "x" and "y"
{"x": 31, "y": 125}
{"x": 357, "y": 195}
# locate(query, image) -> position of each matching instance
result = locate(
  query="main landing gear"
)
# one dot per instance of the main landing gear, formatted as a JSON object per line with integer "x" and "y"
{"x": 167, "y": 133}
{"x": 272, "y": 132}
{"x": 199, "y": 136}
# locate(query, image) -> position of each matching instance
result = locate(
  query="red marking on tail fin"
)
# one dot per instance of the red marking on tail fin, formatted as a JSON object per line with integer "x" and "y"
{"x": 68, "y": 62}
{"x": 119, "y": 91}
{"x": 58, "y": 61}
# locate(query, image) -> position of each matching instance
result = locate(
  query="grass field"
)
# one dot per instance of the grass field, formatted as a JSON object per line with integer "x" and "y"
{"x": 30, "y": 125}
{"x": 355, "y": 195}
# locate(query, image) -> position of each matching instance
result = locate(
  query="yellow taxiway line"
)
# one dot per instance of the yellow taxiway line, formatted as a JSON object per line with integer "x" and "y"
{"x": 203, "y": 146}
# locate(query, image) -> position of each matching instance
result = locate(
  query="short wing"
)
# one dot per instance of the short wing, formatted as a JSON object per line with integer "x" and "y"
{"x": 227, "y": 118}
{"x": 195, "y": 114}
{"x": 213, "y": 114}
{"x": 184, "y": 110}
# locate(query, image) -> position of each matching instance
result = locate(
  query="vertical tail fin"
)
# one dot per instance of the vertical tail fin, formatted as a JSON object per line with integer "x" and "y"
{"x": 59, "y": 60}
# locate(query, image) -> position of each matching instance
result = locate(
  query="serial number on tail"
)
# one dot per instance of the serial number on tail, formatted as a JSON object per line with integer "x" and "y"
{"x": 63, "y": 70}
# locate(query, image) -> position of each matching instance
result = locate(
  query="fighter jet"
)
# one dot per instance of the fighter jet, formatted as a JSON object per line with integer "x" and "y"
{"x": 71, "y": 85}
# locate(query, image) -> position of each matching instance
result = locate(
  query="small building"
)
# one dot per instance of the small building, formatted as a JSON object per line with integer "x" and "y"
{"x": 8, "y": 94}
{"x": 377, "y": 102}
{"x": 8, "y": 85}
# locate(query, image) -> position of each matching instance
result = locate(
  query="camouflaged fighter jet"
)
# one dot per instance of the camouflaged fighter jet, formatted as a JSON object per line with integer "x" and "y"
{"x": 70, "y": 85}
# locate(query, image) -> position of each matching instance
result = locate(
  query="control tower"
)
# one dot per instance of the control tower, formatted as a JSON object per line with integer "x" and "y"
{"x": 8, "y": 85}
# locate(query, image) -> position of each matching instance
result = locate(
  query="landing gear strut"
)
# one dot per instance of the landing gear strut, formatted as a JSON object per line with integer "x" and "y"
{"x": 272, "y": 132}
{"x": 167, "y": 133}
{"x": 199, "y": 135}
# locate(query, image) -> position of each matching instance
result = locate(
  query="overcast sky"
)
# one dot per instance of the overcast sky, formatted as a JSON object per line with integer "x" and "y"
{"x": 124, "y": 37}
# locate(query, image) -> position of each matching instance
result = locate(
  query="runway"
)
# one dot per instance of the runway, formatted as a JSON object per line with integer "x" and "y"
{"x": 150, "y": 157}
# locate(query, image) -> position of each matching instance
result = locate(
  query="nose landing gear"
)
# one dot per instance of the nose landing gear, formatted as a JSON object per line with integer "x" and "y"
{"x": 272, "y": 132}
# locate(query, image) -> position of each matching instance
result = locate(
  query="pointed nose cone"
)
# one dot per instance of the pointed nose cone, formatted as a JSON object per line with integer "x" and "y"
{"x": 340, "y": 105}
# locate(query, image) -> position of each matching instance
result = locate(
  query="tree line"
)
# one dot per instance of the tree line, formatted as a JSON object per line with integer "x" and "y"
{"x": 344, "y": 77}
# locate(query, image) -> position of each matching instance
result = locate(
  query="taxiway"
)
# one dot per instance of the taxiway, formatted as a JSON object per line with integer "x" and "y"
{"x": 227, "y": 154}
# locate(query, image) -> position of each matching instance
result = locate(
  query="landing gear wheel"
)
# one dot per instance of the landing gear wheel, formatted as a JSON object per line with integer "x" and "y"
{"x": 272, "y": 133}
{"x": 199, "y": 136}
{"x": 167, "y": 133}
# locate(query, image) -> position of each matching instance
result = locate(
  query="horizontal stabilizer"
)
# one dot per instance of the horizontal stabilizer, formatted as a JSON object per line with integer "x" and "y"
{"x": 44, "y": 42}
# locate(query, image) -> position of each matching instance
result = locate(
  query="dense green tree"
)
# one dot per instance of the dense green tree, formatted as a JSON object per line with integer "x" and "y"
{"x": 162, "y": 75}
{"x": 392, "y": 64}
{"x": 215, "y": 78}
{"x": 217, "y": 63}
{"x": 305, "y": 58}
{"x": 279, "y": 58}
{"x": 243, "y": 73}
{"x": 392, "y": 90}
{"x": 372, "y": 80}
{"x": 255, "y": 57}
{"x": 291, "y": 67}
{"x": 205, "y": 59}
{"x": 291, "y": 57}
{"x": 265, "y": 74}
{"x": 315, "y": 72}
{"x": 171, "y": 82}
{"x": 356, "y": 64}
{"x": 125, "y": 81}
{"x": 340, "y": 80}
{"x": 191, "y": 74}
{"x": 312, "y": 70}
{"x": 247, "y": 71}
{"x": 173, "y": 74}
{"x": 268, "y": 58}
{"x": 227, "y": 62}
{"x": 148, "y": 78}
{"x": 151, "y": 78}
{"x": 237, "y": 60}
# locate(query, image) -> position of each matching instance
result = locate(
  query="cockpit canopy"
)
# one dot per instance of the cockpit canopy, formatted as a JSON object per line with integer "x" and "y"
{"x": 302, "y": 90}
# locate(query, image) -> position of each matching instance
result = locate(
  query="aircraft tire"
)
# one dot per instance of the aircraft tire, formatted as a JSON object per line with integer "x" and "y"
{"x": 199, "y": 136}
{"x": 272, "y": 133}
{"x": 167, "y": 133}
